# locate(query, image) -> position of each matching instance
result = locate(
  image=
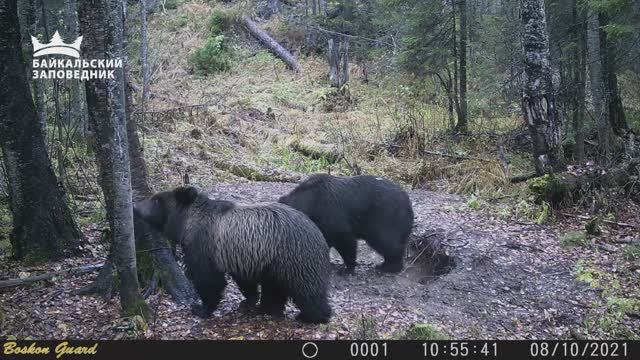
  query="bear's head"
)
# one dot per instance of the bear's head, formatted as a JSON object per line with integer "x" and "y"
{"x": 165, "y": 210}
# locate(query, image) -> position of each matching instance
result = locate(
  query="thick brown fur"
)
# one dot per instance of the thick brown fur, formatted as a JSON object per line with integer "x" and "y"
{"x": 271, "y": 244}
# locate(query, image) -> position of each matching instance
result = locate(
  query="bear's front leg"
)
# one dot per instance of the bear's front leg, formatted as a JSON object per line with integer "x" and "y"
{"x": 210, "y": 287}
{"x": 249, "y": 290}
{"x": 347, "y": 247}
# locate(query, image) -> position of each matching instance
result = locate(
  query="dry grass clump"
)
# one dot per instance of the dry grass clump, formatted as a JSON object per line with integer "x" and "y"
{"x": 250, "y": 113}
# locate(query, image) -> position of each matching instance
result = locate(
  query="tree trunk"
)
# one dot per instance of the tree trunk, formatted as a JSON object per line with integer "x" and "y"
{"x": 43, "y": 227}
{"x": 598, "y": 87}
{"x": 102, "y": 23}
{"x": 333, "y": 56}
{"x": 270, "y": 43}
{"x": 75, "y": 95}
{"x": 344, "y": 59}
{"x": 538, "y": 100}
{"x": 617, "y": 119}
{"x": 152, "y": 249}
{"x": 150, "y": 242}
{"x": 461, "y": 126}
{"x": 26, "y": 14}
{"x": 578, "y": 56}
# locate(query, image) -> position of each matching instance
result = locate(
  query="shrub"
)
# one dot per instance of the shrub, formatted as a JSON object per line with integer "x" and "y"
{"x": 172, "y": 4}
{"x": 212, "y": 57}
{"x": 218, "y": 22}
{"x": 547, "y": 188}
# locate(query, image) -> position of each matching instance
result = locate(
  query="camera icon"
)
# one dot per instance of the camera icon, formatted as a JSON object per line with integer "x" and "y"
{"x": 309, "y": 350}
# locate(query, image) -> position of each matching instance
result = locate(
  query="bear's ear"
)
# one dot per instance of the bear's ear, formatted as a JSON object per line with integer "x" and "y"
{"x": 186, "y": 195}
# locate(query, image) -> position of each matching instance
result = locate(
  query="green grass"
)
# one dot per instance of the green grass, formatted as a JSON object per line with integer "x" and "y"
{"x": 573, "y": 239}
{"x": 424, "y": 332}
{"x": 366, "y": 328}
{"x": 586, "y": 274}
{"x": 178, "y": 23}
{"x": 631, "y": 252}
{"x": 288, "y": 159}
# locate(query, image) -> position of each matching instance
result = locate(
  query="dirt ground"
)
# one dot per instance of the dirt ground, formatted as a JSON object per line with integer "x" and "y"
{"x": 500, "y": 280}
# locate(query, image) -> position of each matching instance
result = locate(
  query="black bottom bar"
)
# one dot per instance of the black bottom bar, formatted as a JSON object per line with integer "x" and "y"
{"x": 322, "y": 350}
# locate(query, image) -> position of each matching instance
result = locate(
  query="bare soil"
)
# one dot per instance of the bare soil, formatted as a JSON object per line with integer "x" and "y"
{"x": 494, "y": 279}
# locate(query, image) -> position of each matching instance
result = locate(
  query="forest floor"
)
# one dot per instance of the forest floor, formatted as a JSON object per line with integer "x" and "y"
{"x": 505, "y": 280}
{"x": 510, "y": 278}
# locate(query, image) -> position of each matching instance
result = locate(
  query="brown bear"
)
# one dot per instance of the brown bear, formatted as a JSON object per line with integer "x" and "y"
{"x": 270, "y": 244}
{"x": 360, "y": 207}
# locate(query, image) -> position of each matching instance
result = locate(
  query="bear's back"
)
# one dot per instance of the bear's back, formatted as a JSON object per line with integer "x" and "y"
{"x": 250, "y": 237}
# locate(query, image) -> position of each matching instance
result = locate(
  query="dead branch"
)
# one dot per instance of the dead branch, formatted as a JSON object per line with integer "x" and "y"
{"x": 520, "y": 178}
{"x": 70, "y": 272}
{"x": 457, "y": 157}
{"x": 584, "y": 217}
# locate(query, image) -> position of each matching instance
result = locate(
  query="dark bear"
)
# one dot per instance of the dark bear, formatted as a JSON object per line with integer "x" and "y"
{"x": 360, "y": 207}
{"x": 271, "y": 244}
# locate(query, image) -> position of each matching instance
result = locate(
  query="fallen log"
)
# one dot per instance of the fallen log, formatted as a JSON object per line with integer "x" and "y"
{"x": 69, "y": 272}
{"x": 255, "y": 173}
{"x": 270, "y": 43}
{"x": 316, "y": 150}
{"x": 558, "y": 187}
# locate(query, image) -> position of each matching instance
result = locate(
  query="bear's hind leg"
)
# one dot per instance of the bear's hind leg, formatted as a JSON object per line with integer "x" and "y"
{"x": 273, "y": 299}
{"x": 391, "y": 247}
{"x": 347, "y": 247}
{"x": 210, "y": 287}
{"x": 313, "y": 309}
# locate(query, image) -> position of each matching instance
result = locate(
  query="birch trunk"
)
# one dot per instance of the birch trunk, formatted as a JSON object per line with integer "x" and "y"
{"x": 538, "y": 98}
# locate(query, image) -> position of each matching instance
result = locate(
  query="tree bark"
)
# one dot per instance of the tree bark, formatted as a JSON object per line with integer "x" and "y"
{"x": 461, "y": 126}
{"x": 598, "y": 87}
{"x": 270, "y": 43}
{"x": 538, "y": 100}
{"x": 334, "y": 63}
{"x": 75, "y": 90}
{"x": 617, "y": 119}
{"x": 102, "y": 23}
{"x": 43, "y": 227}
{"x": 344, "y": 77}
{"x": 578, "y": 56}
{"x": 27, "y": 18}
